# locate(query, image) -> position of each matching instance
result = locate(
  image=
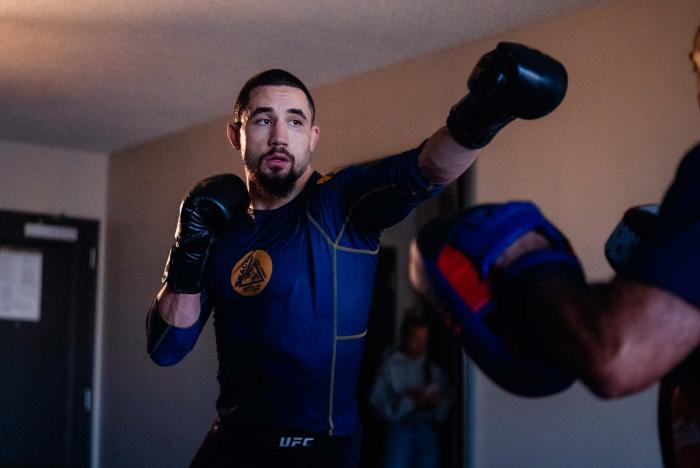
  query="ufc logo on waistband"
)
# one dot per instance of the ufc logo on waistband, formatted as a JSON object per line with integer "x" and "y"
{"x": 296, "y": 441}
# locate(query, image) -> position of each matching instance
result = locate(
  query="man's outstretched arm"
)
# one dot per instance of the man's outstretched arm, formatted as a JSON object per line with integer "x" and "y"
{"x": 512, "y": 81}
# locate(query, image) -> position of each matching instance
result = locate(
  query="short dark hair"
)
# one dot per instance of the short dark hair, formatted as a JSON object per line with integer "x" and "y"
{"x": 273, "y": 77}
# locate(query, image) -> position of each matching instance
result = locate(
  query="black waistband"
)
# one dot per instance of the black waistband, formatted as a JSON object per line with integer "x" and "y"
{"x": 278, "y": 437}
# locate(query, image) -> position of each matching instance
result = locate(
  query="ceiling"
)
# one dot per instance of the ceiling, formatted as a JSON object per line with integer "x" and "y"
{"x": 101, "y": 75}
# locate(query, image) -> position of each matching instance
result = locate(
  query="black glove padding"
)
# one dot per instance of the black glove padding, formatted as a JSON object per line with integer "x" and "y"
{"x": 212, "y": 207}
{"x": 511, "y": 81}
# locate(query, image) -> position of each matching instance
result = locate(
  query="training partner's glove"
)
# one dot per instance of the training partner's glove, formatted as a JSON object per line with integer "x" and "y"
{"x": 451, "y": 265}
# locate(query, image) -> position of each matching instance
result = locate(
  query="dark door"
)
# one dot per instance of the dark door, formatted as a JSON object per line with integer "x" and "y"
{"x": 47, "y": 283}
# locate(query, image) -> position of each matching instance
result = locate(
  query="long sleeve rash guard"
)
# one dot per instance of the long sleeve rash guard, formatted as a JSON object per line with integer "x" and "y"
{"x": 290, "y": 293}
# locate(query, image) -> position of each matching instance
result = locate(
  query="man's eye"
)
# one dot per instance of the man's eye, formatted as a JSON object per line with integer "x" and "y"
{"x": 262, "y": 121}
{"x": 296, "y": 123}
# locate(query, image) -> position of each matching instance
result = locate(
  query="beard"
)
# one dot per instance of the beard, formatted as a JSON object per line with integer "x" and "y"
{"x": 275, "y": 184}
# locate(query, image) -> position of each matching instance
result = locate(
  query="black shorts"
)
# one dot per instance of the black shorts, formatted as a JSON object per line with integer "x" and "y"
{"x": 248, "y": 447}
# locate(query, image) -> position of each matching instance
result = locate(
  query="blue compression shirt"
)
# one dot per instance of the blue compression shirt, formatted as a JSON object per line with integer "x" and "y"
{"x": 671, "y": 258}
{"x": 290, "y": 293}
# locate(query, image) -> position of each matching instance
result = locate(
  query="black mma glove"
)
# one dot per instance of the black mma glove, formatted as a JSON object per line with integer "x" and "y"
{"x": 212, "y": 207}
{"x": 511, "y": 81}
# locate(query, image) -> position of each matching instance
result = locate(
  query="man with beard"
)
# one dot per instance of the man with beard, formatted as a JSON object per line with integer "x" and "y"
{"x": 286, "y": 263}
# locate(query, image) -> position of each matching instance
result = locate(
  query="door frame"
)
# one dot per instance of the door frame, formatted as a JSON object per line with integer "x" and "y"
{"x": 85, "y": 252}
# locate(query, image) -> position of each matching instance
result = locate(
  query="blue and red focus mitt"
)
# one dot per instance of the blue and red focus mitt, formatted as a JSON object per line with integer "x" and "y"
{"x": 452, "y": 265}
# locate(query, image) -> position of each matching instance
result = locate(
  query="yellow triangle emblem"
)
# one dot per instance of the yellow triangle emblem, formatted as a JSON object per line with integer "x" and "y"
{"x": 251, "y": 273}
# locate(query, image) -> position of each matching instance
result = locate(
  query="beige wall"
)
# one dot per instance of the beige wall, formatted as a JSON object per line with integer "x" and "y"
{"x": 54, "y": 181}
{"x": 614, "y": 142}
{"x": 153, "y": 416}
{"x": 629, "y": 116}
{"x": 41, "y": 179}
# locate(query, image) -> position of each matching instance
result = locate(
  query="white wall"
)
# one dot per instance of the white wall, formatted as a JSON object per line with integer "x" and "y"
{"x": 54, "y": 181}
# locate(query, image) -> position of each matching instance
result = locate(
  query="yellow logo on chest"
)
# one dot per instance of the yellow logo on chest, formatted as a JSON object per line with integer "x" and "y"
{"x": 251, "y": 273}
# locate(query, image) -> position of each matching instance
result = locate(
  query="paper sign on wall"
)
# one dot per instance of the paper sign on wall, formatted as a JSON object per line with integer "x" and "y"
{"x": 20, "y": 284}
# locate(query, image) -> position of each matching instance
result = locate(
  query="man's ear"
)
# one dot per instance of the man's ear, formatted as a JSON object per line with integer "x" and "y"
{"x": 233, "y": 131}
{"x": 315, "y": 135}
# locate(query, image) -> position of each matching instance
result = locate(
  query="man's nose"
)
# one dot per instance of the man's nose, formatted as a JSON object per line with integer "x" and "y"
{"x": 280, "y": 134}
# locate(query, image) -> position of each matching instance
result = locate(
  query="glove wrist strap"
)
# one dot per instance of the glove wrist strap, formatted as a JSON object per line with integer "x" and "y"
{"x": 473, "y": 122}
{"x": 184, "y": 274}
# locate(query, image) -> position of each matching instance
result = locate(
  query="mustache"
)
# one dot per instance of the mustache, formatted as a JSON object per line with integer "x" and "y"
{"x": 279, "y": 150}
{"x": 274, "y": 152}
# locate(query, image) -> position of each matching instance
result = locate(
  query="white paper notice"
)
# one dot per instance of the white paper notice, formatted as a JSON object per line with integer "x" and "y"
{"x": 20, "y": 284}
